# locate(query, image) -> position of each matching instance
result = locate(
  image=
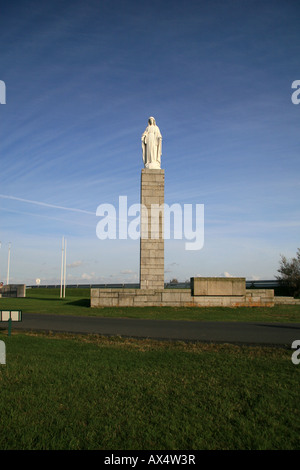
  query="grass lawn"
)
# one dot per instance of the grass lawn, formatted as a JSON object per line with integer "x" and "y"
{"x": 89, "y": 392}
{"x": 77, "y": 302}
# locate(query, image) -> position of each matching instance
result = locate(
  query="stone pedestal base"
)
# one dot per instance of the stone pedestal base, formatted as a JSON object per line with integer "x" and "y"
{"x": 178, "y": 298}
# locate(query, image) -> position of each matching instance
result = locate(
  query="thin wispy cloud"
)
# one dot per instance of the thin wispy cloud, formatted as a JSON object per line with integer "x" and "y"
{"x": 75, "y": 264}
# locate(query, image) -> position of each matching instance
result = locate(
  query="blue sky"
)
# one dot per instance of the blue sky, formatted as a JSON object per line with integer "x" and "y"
{"x": 82, "y": 78}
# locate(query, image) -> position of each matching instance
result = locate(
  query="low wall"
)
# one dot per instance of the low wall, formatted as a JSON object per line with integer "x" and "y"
{"x": 178, "y": 298}
{"x": 13, "y": 290}
{"x": 286, "y": 301}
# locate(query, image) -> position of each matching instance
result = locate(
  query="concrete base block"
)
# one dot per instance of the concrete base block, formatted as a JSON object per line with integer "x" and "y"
{"x": 218, "y": 286}
{"x": 13, "y": 290}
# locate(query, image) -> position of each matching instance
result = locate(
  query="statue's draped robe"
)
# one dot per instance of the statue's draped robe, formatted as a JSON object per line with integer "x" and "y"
{"x": 151, "y": 145}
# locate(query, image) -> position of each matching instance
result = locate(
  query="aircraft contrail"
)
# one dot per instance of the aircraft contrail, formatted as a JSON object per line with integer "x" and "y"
{"x": 45, "y": 204}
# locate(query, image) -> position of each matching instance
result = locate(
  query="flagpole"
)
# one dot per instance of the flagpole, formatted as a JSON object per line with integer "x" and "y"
{"x": 8, "y": 264}
{"x": 62, "y": 266}
{"x": 65, "y": 269}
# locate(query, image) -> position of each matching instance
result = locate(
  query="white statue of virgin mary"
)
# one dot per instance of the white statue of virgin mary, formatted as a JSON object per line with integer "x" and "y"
{"x": 151, "y": 145}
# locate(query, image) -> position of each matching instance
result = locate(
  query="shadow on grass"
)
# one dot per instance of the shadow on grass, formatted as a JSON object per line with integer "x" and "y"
{"x": 80, "y": 303}
{"x": 48, "y": 299}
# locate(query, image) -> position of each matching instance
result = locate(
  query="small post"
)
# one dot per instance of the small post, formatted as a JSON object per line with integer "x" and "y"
{"x": 9, "y": 325}
{"x": 2, "y": 353}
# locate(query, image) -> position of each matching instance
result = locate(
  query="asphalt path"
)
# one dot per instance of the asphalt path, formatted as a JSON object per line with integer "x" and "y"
{"x": 251, "y": 333}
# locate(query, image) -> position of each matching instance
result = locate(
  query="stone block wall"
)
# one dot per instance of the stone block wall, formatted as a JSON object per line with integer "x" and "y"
{"x": 260, "y": 298}
{"x": 178, "y": 298}
{"x": 286, "y": 301}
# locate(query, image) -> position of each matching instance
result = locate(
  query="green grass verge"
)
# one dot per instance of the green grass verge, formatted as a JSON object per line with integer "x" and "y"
{"x": 77, "y": 302}
{"x": 89, "y": 392}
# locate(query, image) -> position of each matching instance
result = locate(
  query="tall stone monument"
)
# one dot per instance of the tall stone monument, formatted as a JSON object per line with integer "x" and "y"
{"x": 204, "y": 292}
{"x": 152, "y": 211}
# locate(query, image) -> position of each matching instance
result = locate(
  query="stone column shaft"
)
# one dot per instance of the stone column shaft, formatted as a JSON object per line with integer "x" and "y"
{"x": 152, "y": 229}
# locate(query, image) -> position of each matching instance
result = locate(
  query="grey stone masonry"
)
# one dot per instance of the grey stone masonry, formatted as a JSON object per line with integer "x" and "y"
{"x": 286, "y": 301}
{"x": 152, "y": 229}
{"x": 177, "y": 298}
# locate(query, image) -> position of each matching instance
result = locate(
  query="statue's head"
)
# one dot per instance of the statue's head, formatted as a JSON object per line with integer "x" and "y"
{"x": 151, "y": 121}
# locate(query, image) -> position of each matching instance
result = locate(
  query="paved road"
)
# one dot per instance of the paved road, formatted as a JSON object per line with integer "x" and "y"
{"x": 230, "y": 332}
